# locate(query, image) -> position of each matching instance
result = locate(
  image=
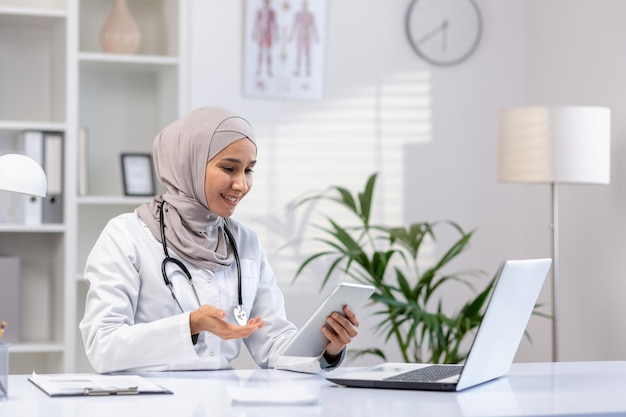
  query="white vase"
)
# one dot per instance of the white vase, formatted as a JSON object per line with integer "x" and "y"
{"x": 120, "y": 33}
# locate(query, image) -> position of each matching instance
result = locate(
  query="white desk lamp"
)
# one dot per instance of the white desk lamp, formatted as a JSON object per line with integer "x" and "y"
{"x": 553, "y": 145}
{"x": 21, "y": 174}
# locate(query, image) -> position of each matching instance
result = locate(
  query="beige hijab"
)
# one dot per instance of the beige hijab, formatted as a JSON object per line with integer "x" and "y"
{"x": 181, "y": 152}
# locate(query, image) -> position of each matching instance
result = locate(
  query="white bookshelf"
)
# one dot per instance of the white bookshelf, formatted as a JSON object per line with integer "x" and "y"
{"x": 34, "y": 97}
{"x": 122, "y": 101}
{"x": 60, "y": 80}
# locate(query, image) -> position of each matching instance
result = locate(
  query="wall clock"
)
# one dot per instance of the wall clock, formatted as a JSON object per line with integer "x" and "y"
{"x": 444, "y": 32}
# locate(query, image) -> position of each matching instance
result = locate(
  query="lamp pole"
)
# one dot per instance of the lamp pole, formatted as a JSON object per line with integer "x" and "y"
{"x": 555, "y": 145}
{"x": 555, "y": 271}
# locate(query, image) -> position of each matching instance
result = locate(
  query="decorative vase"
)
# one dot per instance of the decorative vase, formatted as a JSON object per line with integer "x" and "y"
{"x": 120, "y": 33}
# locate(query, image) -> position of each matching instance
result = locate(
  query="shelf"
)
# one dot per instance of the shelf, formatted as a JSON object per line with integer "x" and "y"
{"x": 158, "y": 22}
{"x": 57, "y": 79}
{"x": 102, "y": 200}
{"x": 140, "y": 96}
{"x": 21, "y": 228}
{"x": 93, "y": 213}
{"x": 31, "y": 14}
{"x": 15, "y": 125}
{"x": 128, "y": 63}
{"x": 36, "y": 348}
{"x": 130, "y": 60}
{"x": 33, "y": 80}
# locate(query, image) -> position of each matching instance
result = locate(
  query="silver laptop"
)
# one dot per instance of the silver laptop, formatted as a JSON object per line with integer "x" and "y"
{"x": 512, "y": 301}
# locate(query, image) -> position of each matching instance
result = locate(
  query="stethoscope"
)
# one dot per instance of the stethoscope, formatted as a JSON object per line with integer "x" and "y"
{"x": 240, "y": 314}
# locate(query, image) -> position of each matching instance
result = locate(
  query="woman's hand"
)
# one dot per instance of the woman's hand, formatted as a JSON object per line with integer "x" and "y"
{"x": 340, "y": 330}
{"x": 211, "y": 319}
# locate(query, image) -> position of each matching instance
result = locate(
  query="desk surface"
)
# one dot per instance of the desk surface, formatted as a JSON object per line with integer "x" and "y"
{"x": 575, "y": 388}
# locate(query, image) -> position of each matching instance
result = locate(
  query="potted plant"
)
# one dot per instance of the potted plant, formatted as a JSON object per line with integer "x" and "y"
{"x": 407, "y": 297}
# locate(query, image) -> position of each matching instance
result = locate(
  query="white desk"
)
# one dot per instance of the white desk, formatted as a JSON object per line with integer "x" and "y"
{"x": 581, "y": 388}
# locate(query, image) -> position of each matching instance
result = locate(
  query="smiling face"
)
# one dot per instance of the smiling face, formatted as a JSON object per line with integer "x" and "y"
{"x": 228, "y": 177}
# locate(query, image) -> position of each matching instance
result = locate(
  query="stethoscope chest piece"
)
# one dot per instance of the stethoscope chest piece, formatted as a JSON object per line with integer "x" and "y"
{"x": 241, "y": 317}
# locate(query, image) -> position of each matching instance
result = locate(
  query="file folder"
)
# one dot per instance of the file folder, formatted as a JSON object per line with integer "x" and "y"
{"x": 52, "y": 208}
{"x": 83, "y": 161}
{"x": 32, "y": 146}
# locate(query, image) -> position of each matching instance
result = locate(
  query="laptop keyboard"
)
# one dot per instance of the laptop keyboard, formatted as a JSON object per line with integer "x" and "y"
{"x": 428, "y": 374}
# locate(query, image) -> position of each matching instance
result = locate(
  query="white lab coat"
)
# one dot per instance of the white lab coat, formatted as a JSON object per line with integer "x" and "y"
{"x": 132, "y": 322}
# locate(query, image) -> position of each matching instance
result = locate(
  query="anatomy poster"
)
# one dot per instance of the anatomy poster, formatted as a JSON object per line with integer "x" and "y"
{"x": 284, "y": 49}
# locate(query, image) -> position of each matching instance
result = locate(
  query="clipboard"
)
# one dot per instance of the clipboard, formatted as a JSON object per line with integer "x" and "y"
{"x": 73, "y": 385}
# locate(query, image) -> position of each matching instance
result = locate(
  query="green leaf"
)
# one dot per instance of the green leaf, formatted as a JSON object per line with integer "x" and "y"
{"x": 371, "y": 351}
{"x": 346, "y": 199}
{"x": 389, "y": 257}
{"x": 365, "y": 199}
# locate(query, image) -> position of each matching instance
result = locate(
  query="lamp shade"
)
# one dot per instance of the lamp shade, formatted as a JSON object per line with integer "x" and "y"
{"x": 22, "y": 174}
{"x": 566, "y": 144}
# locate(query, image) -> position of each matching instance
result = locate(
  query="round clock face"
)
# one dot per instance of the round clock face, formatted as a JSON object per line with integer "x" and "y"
{"x": 444, "y": 32}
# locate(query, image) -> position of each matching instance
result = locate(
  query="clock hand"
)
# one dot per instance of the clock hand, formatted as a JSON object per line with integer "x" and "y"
{"x": 433, "y": 32}
{"x": 444, "y": 35}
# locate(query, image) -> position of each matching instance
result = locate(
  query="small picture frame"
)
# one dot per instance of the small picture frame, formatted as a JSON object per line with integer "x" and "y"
{"x": 137, "y": 174}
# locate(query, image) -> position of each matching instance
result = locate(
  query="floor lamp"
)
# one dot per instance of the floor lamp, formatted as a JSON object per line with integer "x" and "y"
{"x": 555, "y": 145}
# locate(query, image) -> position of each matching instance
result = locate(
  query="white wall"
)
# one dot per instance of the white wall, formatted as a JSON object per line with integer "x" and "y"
{"x": 582, "y": 61}
{"x": 454, "y": 176}
{"x": 533, "y": 52}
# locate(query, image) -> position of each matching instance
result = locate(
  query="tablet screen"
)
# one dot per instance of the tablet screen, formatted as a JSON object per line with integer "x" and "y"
{"x": 309, "y": 341}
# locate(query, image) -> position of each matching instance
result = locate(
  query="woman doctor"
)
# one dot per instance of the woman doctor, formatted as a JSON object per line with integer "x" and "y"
{"x": 164, "y": 286}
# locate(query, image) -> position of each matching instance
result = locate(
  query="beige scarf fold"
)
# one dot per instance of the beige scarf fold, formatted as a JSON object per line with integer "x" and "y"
{"x": 181, "y": 152}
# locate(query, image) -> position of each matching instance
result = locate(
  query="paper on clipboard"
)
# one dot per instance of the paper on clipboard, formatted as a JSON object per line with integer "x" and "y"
{"x": 64, "y": 385}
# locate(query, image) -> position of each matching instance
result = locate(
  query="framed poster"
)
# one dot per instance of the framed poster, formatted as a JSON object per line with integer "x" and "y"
{"x": 137, "y": 174}
{"x": 284, "y": 49}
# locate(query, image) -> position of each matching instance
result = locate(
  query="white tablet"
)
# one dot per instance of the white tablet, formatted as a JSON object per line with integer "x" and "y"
{"x": 310, "y": 341}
